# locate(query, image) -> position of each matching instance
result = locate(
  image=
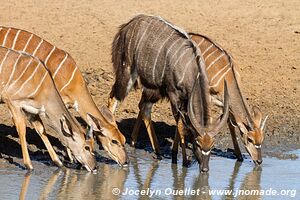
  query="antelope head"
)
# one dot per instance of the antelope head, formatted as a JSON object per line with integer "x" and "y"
{"x": 204, "y": 136}
{"x": 75, "y": 140}
{"x": 107, "y": 132}
{"x": 253, "y": 134}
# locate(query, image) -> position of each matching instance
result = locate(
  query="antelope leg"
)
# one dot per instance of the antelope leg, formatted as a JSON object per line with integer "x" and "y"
{"x": 136, "y": 129}
{"x": 152, "y": 135}
{"x": 39, "y": 127}
{"x": 237, "y": 150}
{"x": 112, "y": 104}
{"x": 20, "y": 124}
{"x": 175, "y": 147}
{"x": 181, "y": 132}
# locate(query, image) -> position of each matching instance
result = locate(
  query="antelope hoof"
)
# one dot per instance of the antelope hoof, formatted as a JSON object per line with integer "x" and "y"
{"x": 186, "y": 163}
{"x": 133, "y": 143}
{"x": 58, "y": 163}
{"x": 29, "y": 166}
{"x": 157, "y": 156}
{"x": 240, "y": 158}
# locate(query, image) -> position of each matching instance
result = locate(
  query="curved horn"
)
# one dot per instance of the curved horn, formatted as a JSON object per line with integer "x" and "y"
{"x": 263, "y": 124}
{"x": 224, "y": 118}
{"x": 191, "y": 114}
{"x": 248, "y": 115}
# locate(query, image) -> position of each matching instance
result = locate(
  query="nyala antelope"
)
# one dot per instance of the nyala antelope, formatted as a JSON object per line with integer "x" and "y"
{"x": 220, "y": 67}
{"x": 168, "y": 65}
{"x": 29, "y": 92}
{"x": 72, "y": 88}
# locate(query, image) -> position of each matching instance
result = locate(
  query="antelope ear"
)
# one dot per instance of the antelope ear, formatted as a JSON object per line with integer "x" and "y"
{"x": 66, "y": 126}
{"x": 257, "y": 116}
{"x": 93, "y": 122}
{"x": 108, "y": 116}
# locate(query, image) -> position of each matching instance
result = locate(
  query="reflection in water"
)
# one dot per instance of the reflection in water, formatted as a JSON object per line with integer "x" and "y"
{"x": 141, "y": 175}
{"x": 201, "y": 182}
{"x": 25, "y": 185}
{"x": 251, "y": 184}
{"x": 232, "y": 180}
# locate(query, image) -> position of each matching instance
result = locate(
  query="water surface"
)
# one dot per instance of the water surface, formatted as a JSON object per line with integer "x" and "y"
{"x": 159, "y": 177}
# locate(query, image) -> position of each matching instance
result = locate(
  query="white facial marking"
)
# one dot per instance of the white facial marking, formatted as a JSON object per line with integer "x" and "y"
{"x": 205, "y": 153}
{"x": 257, "y": 146}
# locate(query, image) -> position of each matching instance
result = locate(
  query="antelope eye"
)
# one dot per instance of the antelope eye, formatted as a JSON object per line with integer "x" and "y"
{"x": 250, "y": 140}
{"x": 115, "y": 142}
{"x": 88, "y": 148}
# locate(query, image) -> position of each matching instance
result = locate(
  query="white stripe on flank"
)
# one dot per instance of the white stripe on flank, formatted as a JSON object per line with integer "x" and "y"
{"x": 69, "y": 80}
{"x": 207, "y": 49}
{"x": 25, "y": 47}
{"x": 186, "y": 67}
{"x": 210, "y": 54}
{"x": 15, "y": 39}
{"x": 153, "y": 42}
{"x": 49, "y": 55}
{"x": 13, "y": 71}
{"x": 200, "y": 42}
{"x": 39, "y": 85}
{"x": 62, "y": 62}
{"x": 5, "y": 37}
{"x": 141, "y": 38}
{"x": 219, "y": 72}
{"x": 215, "y": 85}
{"x": 181, "y": 55}
{"x": 213, "y": 62}
{"x": 184, "y": 72}
{"x": 168, "y": 51}
{"x": 23, "y": 72}
{"x": 29, "y": 78}
{"x": 158, "y": 54}
{"x": 38, "y": 46}
{"x": 130, "y": 40}
{"x": 4, "y": 60}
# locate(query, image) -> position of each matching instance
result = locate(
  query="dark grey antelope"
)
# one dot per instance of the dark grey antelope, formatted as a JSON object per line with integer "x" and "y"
{"x": 220, "y": 67}
{"x": 29, "y": 92}
{"x": 168, "y": 65}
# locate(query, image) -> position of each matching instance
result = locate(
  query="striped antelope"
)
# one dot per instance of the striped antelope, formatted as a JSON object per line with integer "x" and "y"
{"x": 168, "y": 65}
{"x": 71, "y": 86}
{"x": 219, "y": 67}
{"x": 29, "y": 92}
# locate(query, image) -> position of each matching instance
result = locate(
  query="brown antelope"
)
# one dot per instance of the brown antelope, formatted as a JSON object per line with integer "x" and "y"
{"x": 220, "y": 67}
{"x": 29, "y": 92}
{"x": 71, "y": 86}
{"x": 168, "y": 65}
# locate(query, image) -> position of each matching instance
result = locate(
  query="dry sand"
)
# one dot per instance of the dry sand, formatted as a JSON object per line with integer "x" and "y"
{"x": 263, "y": 37}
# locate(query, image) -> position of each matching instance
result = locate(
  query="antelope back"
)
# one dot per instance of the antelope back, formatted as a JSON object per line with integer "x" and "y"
{"x": 159, "y": 52}
{"x": 22, "y": 76}
{"x": 218, "y": 62}
{"x": 61, "y": 65}
{"x": 65, "y": 73}
{"x": 28, "y": 85}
